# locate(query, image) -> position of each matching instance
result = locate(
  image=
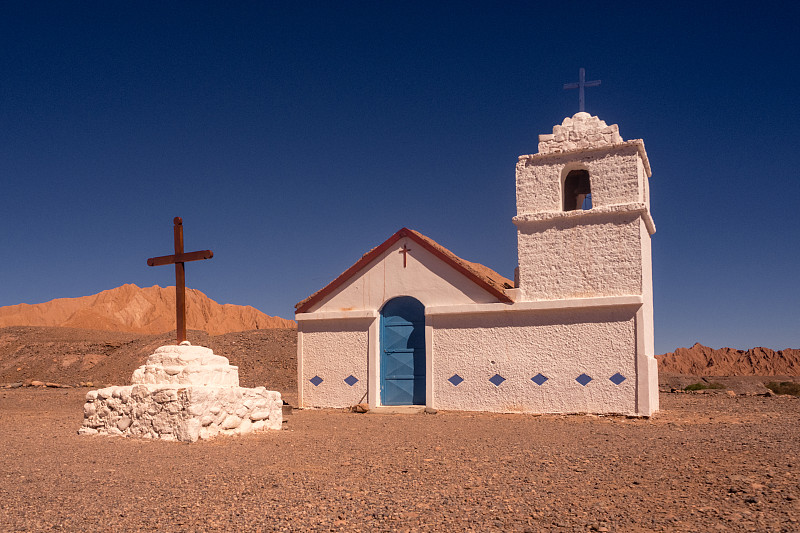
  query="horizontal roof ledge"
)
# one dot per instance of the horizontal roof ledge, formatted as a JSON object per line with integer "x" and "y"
{"x": 541, "y": 305}
{"x": 360, "y": 314}
{"x": 543, "y": 217}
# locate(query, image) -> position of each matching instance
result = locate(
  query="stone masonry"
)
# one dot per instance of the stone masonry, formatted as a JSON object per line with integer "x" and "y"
{"x": 182, "y": 393}
{"x": 580, "y": 131}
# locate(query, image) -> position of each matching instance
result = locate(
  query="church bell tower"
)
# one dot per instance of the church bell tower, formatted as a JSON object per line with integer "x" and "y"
{"x": 584, "y": 228}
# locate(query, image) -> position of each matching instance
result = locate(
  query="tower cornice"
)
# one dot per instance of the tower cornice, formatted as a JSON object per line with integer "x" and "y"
{"x": 570, "y": 155}
{"x": 544, "y": 217}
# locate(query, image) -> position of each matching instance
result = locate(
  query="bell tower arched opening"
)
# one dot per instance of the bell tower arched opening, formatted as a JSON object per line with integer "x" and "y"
{"x": 577, "y": 191}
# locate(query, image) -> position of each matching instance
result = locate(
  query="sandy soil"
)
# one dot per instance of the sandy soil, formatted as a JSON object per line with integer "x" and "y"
{"x": 707, "y": 462}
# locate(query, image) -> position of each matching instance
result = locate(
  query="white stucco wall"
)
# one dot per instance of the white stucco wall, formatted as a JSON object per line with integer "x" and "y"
{"x": 333, "y": 350}
{"x": 559, "y": 344}
{"x": 425, "y": 276}
{"x": 646, "y": 328}
{"x": 614, "y": 178}
{"x": 580, "y": 256}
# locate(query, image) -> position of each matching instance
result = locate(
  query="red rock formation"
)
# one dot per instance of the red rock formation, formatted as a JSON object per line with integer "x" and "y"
{"x": 149, "y": 311}
{"x": 704, "y": 361}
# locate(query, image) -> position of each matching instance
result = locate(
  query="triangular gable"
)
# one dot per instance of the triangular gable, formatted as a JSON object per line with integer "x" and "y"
{"x": 480, "y": 275}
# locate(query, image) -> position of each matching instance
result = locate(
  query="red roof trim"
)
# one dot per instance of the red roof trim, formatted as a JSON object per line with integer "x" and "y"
{"x": 306, "y": 304}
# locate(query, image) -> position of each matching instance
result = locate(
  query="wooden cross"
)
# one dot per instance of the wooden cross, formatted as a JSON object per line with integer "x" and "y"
{"x": 580, "y": 85}
{"x": 405, "y": 251}
{"x": 178, "y": 259}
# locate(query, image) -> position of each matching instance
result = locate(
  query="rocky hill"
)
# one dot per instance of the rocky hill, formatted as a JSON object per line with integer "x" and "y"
{"x": 146, "y": 311}
{"x": 265, "y": 357}
{"x": 701, "y": 360}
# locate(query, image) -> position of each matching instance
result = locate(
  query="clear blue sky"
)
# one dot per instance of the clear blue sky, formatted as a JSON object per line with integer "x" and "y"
{"x": 293, "y": 137}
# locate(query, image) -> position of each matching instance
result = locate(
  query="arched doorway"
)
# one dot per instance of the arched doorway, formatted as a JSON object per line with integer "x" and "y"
{"x": 403, "y": 352}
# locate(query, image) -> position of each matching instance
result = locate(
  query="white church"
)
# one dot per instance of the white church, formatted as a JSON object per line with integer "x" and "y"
{"x": 410, "y": 323}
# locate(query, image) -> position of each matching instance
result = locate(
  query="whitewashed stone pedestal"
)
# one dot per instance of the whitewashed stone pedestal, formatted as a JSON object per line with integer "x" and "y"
{"x": 182, "y": 393}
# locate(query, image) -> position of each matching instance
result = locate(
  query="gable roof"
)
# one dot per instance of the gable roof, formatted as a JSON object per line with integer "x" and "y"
{"x": 483, "y": 276}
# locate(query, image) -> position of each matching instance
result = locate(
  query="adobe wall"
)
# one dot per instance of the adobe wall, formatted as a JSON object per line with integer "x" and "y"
{"x": 581, "y": 255}
{"x": 561, "y": 345}
{"x": 332, "y": 350}
{"x": 615, "y": 177}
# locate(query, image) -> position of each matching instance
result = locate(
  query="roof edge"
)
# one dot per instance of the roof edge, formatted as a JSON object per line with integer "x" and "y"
{"x": 304, "y": 305}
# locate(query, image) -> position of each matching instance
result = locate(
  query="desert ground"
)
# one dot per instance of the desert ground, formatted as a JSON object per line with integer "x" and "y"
{"x": 706, "y": 462}
{"x": 711, "y": 461}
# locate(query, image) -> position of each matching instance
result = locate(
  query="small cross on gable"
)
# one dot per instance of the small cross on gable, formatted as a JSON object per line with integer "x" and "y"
{"x": 405, "y": 251}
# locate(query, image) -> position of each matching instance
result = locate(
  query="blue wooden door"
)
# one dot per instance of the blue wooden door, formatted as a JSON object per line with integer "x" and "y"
{"x": 403, "y": 352}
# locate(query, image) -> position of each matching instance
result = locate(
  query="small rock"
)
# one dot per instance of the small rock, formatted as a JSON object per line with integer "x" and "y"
{"x": 123, "y": 423}
{"x": 255, "y": 416}
{"x": 730, "y": 393}
{"x": 430, "y": 411}
{"x": 231, "y": 422}
{"x": 361, "y": 408}
{"x": 35, "y": 383}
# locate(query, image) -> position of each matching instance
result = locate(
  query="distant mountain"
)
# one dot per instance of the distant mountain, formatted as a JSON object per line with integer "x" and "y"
{"x": 132, "y": 309}
{"x": 704, "y": 361}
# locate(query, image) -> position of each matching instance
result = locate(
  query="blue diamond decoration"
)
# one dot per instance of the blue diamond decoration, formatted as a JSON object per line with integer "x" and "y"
{"x": 617, "y": 378}
{"x": 539, "y": 379}
{"x": 583, "y": 379}
{"x": 455, "y": 379}
{"x": 351, "y": 380}
{"x": 497, "y": 379}
{"x": 316, "y": 380}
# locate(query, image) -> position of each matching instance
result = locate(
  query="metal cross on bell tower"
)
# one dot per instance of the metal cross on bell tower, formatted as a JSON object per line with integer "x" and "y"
{"x": 580, "y": 86}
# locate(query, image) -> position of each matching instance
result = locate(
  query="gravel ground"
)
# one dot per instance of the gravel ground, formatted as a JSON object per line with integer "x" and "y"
{"x": 707, "y": 462}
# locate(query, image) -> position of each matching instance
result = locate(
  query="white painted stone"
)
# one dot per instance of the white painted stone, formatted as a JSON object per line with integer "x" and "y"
{"x": 181, "y": 393}
{"x": 231, "y": 422}
{"x": 123, "y": 423}
{"x": 104, "y": 394}
{"x": 259, "y": 415}
{"x": 245, "y": 426}
{"x": 186, "y": 365}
